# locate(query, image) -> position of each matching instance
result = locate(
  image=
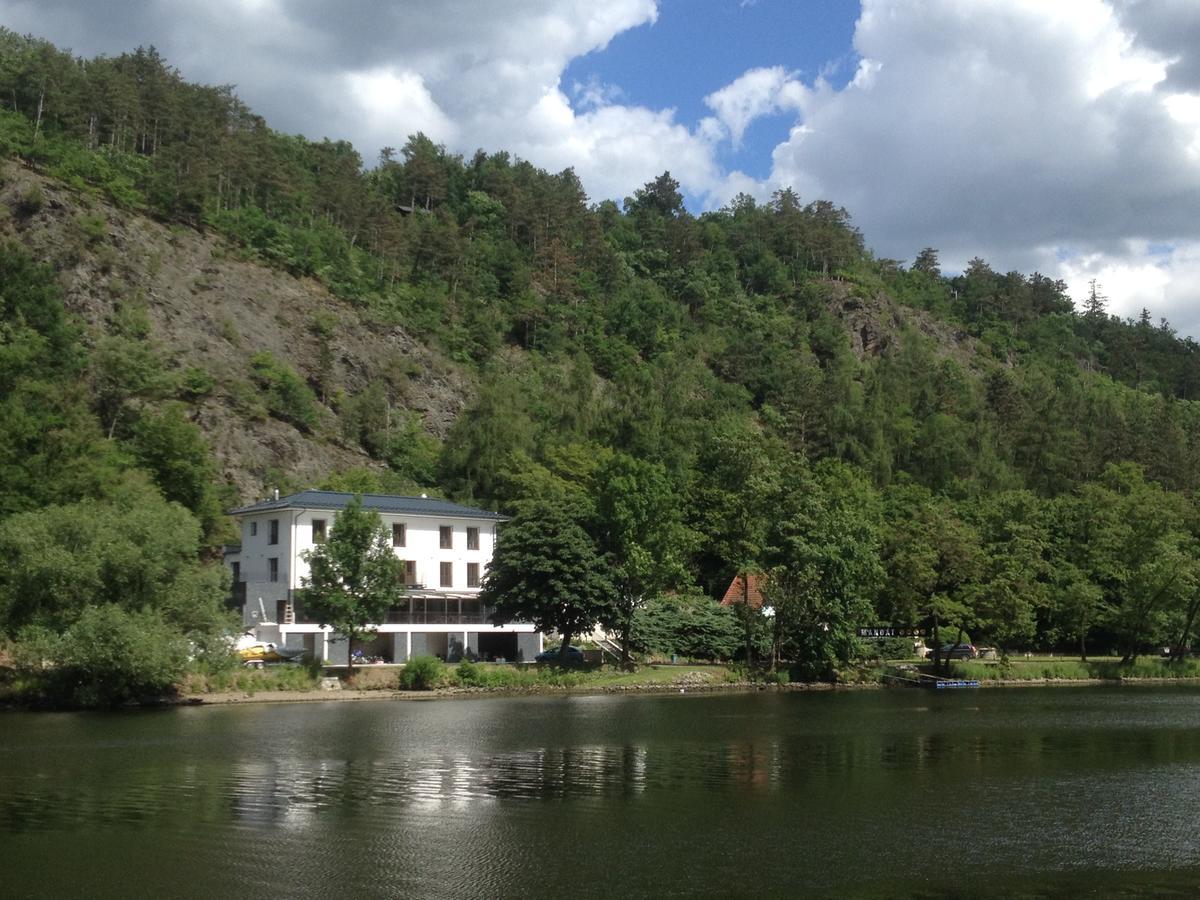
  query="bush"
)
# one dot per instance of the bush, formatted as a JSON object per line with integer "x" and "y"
{"x": 287, "y": 396}
{"x": 470, "y": 674}
{"x": 108, "y": 657}
{"x": 422, "y": 673}
{"x": 30, "y": 201}
{"x": 691, "y": 626}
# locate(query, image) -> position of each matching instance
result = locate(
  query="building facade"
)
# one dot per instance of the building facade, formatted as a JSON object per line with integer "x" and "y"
{"x": 445, "y": 547}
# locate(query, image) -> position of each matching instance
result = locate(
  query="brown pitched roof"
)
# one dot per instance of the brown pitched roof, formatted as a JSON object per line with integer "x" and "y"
{"x": 739, "y": 591}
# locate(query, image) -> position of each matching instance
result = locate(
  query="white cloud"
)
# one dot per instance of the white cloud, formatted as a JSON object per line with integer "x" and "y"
{"x": 756, "y": 93}
{"x": 1022, "y": 131}
{"x": 1007, "y": 129}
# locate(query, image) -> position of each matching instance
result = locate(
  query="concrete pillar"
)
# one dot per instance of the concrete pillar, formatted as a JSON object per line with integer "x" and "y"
{"x": 400, "y": 646}
{"x": 419, "y": 645}
{"x": 528, "y": 646}
{"x": 337, "y": 650}
{"x": 472, "y": 641}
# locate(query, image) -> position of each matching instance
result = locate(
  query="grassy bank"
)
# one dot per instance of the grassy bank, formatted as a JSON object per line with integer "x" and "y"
{"x": 288, "y": 682}
{"x": 1060, "y": 669}
{"x": 439, "y": 676}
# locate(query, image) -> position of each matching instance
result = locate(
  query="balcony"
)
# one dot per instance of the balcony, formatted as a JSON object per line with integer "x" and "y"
{"x": 440, "y": 611}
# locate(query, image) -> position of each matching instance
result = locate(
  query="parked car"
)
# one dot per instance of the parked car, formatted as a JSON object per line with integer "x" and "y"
{"x": 574, "y": 655}
{"x": 956, "y": 651}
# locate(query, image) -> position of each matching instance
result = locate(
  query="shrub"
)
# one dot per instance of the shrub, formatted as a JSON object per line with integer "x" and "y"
{"x": 422, "y": 673}
{"x": 93, "y": 228}
{"x": 30, "y": 201}
{"x": 470, "y": 674}
{"x": 287, "y": 396}
{"x": 110, "y": 656}
{"x": 196, "y": 383}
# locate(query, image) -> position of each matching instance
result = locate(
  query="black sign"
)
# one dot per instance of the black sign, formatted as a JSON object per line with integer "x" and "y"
{"x": 891, "y": 631}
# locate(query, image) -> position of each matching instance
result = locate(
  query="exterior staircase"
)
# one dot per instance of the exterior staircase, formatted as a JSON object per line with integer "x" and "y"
{"x": 610, "y": 648}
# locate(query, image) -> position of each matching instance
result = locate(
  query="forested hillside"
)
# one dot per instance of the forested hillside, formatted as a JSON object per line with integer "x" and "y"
{"x": 198, "y": 308}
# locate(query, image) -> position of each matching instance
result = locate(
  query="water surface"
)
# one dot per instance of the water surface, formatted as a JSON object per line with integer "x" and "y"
{"x": 1027, "y": 792}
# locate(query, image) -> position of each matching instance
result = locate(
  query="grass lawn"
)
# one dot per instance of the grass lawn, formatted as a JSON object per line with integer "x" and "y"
{"x": 1061, "y": 668}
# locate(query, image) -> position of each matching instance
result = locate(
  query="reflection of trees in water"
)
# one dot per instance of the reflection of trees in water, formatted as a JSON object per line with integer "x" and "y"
{"x": 66, "y": 791}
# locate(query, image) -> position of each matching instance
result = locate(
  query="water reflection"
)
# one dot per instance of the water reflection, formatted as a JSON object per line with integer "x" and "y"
{"x": 471, "y": 798}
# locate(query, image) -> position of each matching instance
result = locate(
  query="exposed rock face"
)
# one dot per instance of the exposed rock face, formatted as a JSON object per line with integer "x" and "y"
{"x": 876, "y": 324}
{"x": 212, "y": 310}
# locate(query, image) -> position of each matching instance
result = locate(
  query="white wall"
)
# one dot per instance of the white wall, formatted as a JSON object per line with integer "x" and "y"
{"x": 422, "y": 545}
{"x": 256, "y": 553}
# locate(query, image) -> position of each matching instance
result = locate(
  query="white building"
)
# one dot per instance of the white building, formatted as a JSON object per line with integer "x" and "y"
{"x": 446, "y": 549}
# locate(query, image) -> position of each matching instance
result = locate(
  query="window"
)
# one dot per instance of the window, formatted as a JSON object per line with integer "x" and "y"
{"x": 253, "y": 529}
{"x": 237, "y": 572}
{"x": 472, "y": 538}
{"x": 318, "y": 531}
{"x": 410, "y": 572}
{"x": 273, "y": 569}
{"x": 446, "y": 536}
{"x": 447, "y": 574}
{"x": 273, "y": 531}
{"x": 472, "y": 574}
{"x": 399, "y": 535}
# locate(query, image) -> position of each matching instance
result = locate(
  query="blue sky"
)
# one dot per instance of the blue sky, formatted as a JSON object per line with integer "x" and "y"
{"x": 1060, "y": 136}
{"x": 699, "y": 46}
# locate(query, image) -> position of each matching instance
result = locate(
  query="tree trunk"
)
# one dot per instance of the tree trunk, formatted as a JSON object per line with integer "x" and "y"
{"x": 1180, "y": 648}
{"x": 626, "y": 637}
{"x": 37, "y": 125}
{"x": 957, "y": 640}
{"x": 746, "y": 620}
{"x": 1135, "y": 640}
{"x": 562, "y": 650}
{"x": 937, "y": 645}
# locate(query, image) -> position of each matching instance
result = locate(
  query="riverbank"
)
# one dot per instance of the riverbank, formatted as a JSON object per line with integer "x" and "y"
{"x": 292, "y": 684}
{"x": 220, "y": 698}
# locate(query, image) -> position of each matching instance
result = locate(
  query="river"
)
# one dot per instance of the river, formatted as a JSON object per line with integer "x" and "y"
{"x": 1035, "y": 792}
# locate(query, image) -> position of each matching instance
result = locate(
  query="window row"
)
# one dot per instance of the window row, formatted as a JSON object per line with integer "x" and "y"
{"x": 272, "y": 530}
{"x": 445, "y": 573}
{"x": 445, "y": 536}
{"x": 399, "y": 534}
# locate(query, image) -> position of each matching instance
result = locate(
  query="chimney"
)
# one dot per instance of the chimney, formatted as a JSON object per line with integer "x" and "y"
{"x": 276, "y": 493}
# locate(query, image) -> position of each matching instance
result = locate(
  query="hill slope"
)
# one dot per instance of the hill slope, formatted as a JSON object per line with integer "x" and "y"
{"x": 211, "y": 310}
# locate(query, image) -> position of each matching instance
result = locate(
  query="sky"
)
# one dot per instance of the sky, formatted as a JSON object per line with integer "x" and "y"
{"x": 1060, "y": 137}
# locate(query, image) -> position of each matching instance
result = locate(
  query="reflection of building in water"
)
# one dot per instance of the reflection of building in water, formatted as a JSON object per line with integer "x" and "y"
{"x": 446, "y": 549}
{"x": 754, "y": 765}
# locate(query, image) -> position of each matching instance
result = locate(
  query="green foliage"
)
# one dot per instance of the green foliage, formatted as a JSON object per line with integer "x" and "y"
{"x": 135, "y": 552}
{"x": 196, "y": 384}
{"x": 826, "y": 569}
{"x": 108, "y": 656}
{"x": 285, "y": 394}
{"x": 689, "y": 626}
{"x": 174, "y": 450}
{"x": 698, "y": 396}
{"x": 422, "y": 673}
{"x": 30, "y": 201}
{"x": 470, "y": 674}
{"x": 546, "y": 570}
{"x": 354, "y": 577}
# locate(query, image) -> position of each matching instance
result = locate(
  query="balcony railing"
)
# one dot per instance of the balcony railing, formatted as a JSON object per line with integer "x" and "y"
{"x": 436, "y": 617}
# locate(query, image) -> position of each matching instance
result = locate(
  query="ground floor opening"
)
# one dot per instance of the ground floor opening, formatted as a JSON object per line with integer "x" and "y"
{"x": 498, "y": 647}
